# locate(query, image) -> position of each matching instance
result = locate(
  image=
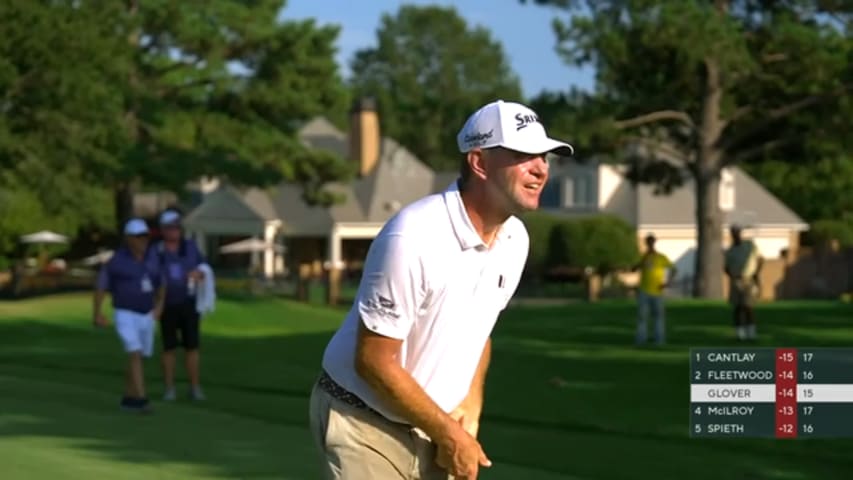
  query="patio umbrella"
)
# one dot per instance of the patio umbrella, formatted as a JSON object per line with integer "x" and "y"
{"x": 250, "y": 245}
{"x": 98, "y": 258}
{"x": 44, "y": 236}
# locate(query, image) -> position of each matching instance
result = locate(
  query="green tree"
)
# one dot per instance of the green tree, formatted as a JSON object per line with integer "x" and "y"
{"x": 60, "y": 118}
{"x": 821, "y": 189}
{"x": 219, "y": 88}
{"x": 429, "y": 70}
{"x": 539, "y": 225}
{"x": 701, "y": 85}
{"x": 155, "y": 93}
{"x": 603, "y": 243}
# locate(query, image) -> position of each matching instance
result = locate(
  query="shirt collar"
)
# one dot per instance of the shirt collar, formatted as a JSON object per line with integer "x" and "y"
{"x": 466, "y": 234}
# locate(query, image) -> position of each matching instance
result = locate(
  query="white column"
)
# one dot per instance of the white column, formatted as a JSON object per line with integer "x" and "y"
{"x": 335, "y": 254}
{"x": 270, "y": 230}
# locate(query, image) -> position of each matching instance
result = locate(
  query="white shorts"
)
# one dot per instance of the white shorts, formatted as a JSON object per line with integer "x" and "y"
{"x": 136, "y": 331}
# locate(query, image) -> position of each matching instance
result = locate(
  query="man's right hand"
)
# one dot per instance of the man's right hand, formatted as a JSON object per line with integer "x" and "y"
{"x": 100, "y": 320}
{"x": 461, "y": 454}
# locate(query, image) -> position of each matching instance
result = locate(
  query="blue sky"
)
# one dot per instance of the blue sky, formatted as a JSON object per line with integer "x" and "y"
{"x": 524, "y": 30}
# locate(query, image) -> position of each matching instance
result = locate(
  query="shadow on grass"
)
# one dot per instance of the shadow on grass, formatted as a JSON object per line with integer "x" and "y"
{"x": 567, "y": 395}
{"x": 65, "y": 383}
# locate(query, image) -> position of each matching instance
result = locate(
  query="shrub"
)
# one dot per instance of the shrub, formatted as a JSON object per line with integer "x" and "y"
{"x": 604, "y": 243}
{"x": 539, "y": 225}
{"x": 565, "y": 245}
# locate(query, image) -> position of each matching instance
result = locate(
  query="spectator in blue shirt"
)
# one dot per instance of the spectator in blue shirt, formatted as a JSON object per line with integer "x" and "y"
{"x": 133, "y": 279}
{"x": 180, "y": 259}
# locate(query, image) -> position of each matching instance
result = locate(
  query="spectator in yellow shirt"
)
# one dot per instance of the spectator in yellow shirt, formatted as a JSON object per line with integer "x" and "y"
{"x": 653, "y": 267}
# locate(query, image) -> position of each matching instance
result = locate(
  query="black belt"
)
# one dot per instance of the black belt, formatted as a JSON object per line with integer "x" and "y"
{"x": 340, "y": 393}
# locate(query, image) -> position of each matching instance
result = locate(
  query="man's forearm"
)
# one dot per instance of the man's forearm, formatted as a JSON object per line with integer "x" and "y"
{"x": 406, "y": 397}
{"x": 98, "y": 301}
{"x": 475, "y": 393}
{"x": 159, "y": 299}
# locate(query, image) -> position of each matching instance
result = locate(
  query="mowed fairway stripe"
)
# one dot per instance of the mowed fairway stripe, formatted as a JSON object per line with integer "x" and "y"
{"x": 49, "y": 429}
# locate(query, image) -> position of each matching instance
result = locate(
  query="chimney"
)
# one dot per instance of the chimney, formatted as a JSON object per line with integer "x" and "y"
{"x": 364, "y": 135}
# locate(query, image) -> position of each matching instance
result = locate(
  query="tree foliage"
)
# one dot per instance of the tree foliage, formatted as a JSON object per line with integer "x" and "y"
{"x": 429, "y": 70}
{"x": 694, "y": 86}
{"x": 154, "y": 93}
{"x": 604, "y": 243}
{"x": 819, "y": 189}
{"x": 60, "y": 116}
{"x": 219, "y": 88}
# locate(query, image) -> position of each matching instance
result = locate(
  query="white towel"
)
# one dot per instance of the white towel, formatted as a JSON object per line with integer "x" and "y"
{"x": 205, "y": 296}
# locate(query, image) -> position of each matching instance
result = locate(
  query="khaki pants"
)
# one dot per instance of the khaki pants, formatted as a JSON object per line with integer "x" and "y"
{"x": 357, "y": 444}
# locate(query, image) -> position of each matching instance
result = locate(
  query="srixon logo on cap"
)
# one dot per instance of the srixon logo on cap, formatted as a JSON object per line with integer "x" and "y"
{"x": 522, "y": 120}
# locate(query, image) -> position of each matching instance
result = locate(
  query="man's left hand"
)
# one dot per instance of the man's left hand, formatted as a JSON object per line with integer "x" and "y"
{"x": 196, "y": 275}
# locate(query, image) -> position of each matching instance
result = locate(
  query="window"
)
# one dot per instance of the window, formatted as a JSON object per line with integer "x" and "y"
{"x": 576, "y": 190}
{"x": 551, "y": 195}
{"x": 579, "y": 191}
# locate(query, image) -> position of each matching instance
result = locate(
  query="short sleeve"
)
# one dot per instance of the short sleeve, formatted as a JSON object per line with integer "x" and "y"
{"x": 392, "y": 287}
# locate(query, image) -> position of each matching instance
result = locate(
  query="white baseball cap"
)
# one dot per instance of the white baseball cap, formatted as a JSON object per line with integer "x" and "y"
{"x": 169, "y": 217}
{"x": 510, "y": 125}
{"x": 135, "y": 226}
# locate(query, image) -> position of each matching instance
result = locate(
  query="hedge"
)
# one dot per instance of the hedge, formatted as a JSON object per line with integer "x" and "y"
{"x": 602, "y": 242}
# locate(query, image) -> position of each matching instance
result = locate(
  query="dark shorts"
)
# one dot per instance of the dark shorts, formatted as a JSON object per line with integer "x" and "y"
{"x": 181, "y": 318}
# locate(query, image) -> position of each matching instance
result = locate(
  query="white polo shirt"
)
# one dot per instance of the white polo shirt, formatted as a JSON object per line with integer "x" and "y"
{"x": 430, "y": 281}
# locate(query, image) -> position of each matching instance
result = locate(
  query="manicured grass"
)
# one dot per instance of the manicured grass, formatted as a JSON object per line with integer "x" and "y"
{"x": 568, "y": 397}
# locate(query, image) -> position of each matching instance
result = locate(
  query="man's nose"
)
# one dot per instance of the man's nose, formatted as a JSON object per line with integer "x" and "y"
{"x": 539, "y": 166}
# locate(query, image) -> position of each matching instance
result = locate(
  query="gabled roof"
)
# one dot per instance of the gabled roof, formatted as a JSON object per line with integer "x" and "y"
{"x": 754, "y": 205}
{"x": 226, "y": 211}
{"x": 321, "y": 134}
{"x": 398, "y": 179}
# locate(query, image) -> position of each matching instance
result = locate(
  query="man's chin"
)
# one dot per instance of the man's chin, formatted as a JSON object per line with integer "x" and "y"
{"x": 523, "y": 207}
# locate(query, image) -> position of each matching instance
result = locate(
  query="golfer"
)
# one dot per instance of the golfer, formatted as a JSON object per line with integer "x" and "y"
{"x": 180, "y": 260}
{"x": 132, "y": 277}
{"x": 401, "y": 389}
{"x": 743, "y": 266}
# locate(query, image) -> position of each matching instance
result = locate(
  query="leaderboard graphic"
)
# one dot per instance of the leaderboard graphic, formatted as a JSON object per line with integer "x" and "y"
{"x": 771, "y": 392}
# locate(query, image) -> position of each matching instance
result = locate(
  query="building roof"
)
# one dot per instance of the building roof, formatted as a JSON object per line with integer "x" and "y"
{"x": 753, "y": 205}
{"x": 398, "y": 179}
{"x": 225, "y": 211}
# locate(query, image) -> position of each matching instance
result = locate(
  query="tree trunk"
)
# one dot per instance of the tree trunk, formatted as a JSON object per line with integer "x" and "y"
{"x": 708, "y": 281}
{"x": 123, "y": 200}
{"x": 123, "y": 191}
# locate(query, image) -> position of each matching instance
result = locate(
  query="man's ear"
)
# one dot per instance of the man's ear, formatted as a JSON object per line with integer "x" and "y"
{"x": 477, "y": 164}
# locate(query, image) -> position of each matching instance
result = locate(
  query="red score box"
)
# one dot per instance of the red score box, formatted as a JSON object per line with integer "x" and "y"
{"x": 786, "y": 393}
